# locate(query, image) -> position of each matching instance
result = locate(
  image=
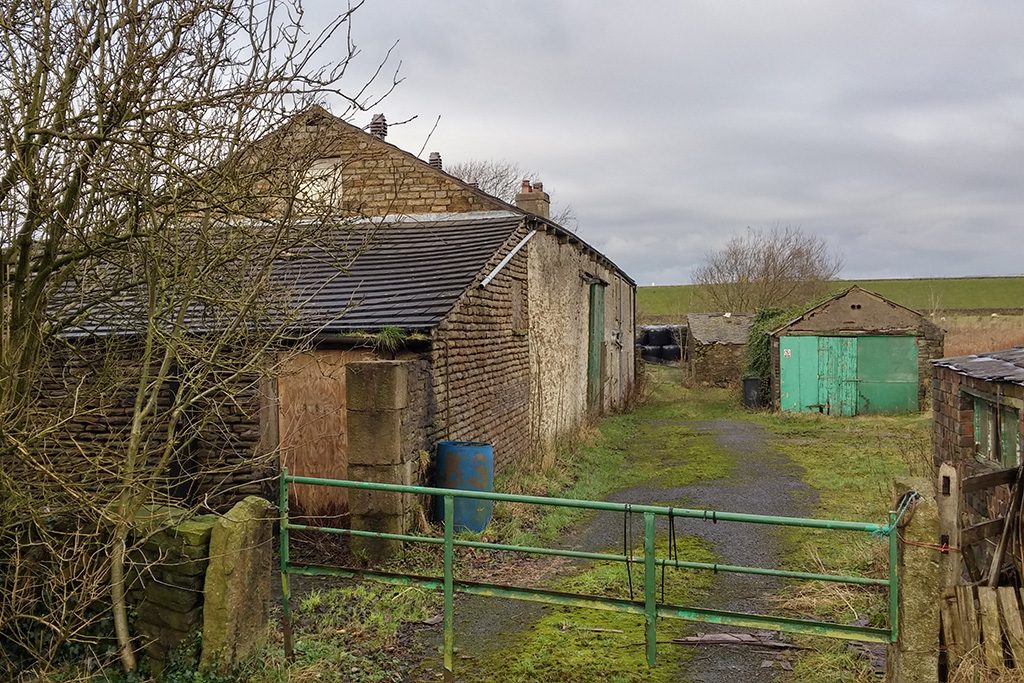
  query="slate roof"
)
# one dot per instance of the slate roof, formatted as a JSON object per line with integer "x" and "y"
{"x": 996, "y": 366}
{"x": 720, "y": 328}
{"x": 410, "y": 274}
{"x": 406, "y": 273}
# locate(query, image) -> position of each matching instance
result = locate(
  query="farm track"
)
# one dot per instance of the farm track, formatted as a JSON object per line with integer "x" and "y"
{"x": 762, "y": 481}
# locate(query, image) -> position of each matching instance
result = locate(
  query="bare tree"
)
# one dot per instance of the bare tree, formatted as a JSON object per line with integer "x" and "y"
{"x": 143, "y": 207}
{"x": 778, "y": 266}
{"x": 502, "y": 179}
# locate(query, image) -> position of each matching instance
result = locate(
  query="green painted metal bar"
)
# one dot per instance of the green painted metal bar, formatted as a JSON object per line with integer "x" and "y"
{"x": 650, "y": 607}
{"x": 706, "y": 515}
{"x": 286, "y": 595}
{"x": 802, "y": 626}
{"x": 601, "y": 557}
{"x": 449, "y": 579}
{"x": 894, "y": 584}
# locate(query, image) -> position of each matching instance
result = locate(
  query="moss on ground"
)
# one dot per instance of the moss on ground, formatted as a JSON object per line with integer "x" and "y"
{"x": 578, "y": 645}
{"x": 649, "y": 444}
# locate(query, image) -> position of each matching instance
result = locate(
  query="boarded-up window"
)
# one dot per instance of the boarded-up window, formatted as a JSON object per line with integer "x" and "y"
{"x": 997, "y": 433}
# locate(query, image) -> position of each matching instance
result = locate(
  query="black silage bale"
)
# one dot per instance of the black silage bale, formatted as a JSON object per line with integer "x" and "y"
{"x": 671, "y": 353}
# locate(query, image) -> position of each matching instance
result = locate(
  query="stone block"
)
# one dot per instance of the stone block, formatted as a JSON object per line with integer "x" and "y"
{"x": 196, "y": 531}
{"x": 377, "y": 385}
{"x": 374, "y": 438}
{"x": 181, "y": 622}
{"x": 172, "y": 597}
{"x": 237, "y": 596}
{"x": 368, "y": 502}
{"x": 377, "y": 549}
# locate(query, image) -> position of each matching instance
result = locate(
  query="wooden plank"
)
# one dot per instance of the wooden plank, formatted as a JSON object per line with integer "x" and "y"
{"x": 968, "y": 618}
{"x": 991, "y": 633}
{"x": 312, "y": 427}
{"x": 980, "y": 482}
{"x": 995, "y": 569}
{"x": 978, "y": 532}
{"x": 948, "y": 500}
{"x": 1009, "y": 608}
{"x": 952, "y": 634}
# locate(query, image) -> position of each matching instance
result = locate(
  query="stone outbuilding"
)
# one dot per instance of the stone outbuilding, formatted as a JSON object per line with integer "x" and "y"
{"x": 716, "y": 347}
{"x": 440, "y": 313}
{"x": 855, "y": 353}
{"x": 977, "y": 407}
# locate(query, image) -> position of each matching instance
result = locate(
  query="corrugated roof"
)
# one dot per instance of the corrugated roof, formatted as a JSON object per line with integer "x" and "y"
{"x": 405, "y": 274}
{"x": 996, "y": 366}
{"x": 720, "y": 328}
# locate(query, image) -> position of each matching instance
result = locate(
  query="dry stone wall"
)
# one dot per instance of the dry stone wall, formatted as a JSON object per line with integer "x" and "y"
{"x": 167, "y": 575}
{"x": 89, "y": 389}
{"x": 717, "y": 365}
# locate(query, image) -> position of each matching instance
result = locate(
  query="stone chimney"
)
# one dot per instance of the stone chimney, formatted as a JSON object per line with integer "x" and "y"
{"x": 435, "y": 161}
{"x": 379, "y": 126}
{"x": 534, "y": 199}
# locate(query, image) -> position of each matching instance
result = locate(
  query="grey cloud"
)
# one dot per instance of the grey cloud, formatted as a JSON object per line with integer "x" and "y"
{"x": 895, "y": 130}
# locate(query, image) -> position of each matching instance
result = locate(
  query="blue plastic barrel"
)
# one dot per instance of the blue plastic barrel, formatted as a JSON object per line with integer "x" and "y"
{"x": 465, "y": 465}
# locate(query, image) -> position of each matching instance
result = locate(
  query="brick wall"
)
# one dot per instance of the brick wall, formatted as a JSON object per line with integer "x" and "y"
{"x": 930, "y": 346}
{"x": 481, "y": 364}
{"x": 953, "y": 415}
{"x": 952, "y": 418}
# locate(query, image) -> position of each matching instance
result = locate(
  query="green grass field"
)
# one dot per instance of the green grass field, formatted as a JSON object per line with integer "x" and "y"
{"x": 947, "y": 294}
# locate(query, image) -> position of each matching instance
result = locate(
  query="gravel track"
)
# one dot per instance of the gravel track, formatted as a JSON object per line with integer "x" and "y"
{"x": 763, "y": 481}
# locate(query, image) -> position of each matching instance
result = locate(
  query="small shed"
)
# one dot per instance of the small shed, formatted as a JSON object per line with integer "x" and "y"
{"x": 716, "y": 347}
{"x": 977, "y": 406}
{"x": 855, "y": 353}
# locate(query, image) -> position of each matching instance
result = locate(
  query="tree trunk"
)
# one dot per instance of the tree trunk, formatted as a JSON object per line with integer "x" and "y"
{"x": 118, "y": 603}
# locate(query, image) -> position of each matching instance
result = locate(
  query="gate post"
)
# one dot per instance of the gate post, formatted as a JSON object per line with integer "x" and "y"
{"x": 915, "y": 655}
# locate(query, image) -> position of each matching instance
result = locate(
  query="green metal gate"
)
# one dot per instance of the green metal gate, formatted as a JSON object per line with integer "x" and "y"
{"x": 649, "y": 606}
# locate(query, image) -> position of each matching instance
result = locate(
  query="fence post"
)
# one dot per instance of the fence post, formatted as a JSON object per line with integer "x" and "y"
{"x": 449, "y": 585}
{"x": 894, "y": 580}
{"x": 914, "y": 656}
{"x": 286, "y": 596}
{"x": 948, "y": 500}
{"x": 650, "y": 607}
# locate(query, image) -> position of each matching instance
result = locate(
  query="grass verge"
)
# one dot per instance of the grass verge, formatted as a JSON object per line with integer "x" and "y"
{"x": 851, "y": 463}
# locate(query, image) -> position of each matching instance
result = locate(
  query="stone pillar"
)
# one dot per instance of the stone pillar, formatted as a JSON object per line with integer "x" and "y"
{"x": 377, "y": 401}
{"x": 237, "y": 587}
{"x": 915, "y": 657}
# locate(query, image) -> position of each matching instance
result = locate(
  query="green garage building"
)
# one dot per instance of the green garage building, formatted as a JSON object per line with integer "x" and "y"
{"x": 856, "y": 353}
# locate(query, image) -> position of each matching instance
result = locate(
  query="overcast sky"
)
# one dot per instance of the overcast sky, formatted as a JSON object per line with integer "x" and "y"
{"x": 895, "y": 130}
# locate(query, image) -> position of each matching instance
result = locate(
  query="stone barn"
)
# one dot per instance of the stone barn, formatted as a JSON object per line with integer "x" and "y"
{"x": 716, "y": 347}
{"x": 977, "y": 406}
{"x": 855, "y": 353}
{"x": 461, "y": 317}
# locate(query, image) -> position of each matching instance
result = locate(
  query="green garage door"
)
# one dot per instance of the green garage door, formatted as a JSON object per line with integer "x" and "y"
{"x": 848, "y": 375}
{"x": 887, "y": 374}
{"x": 798, "y": 371}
